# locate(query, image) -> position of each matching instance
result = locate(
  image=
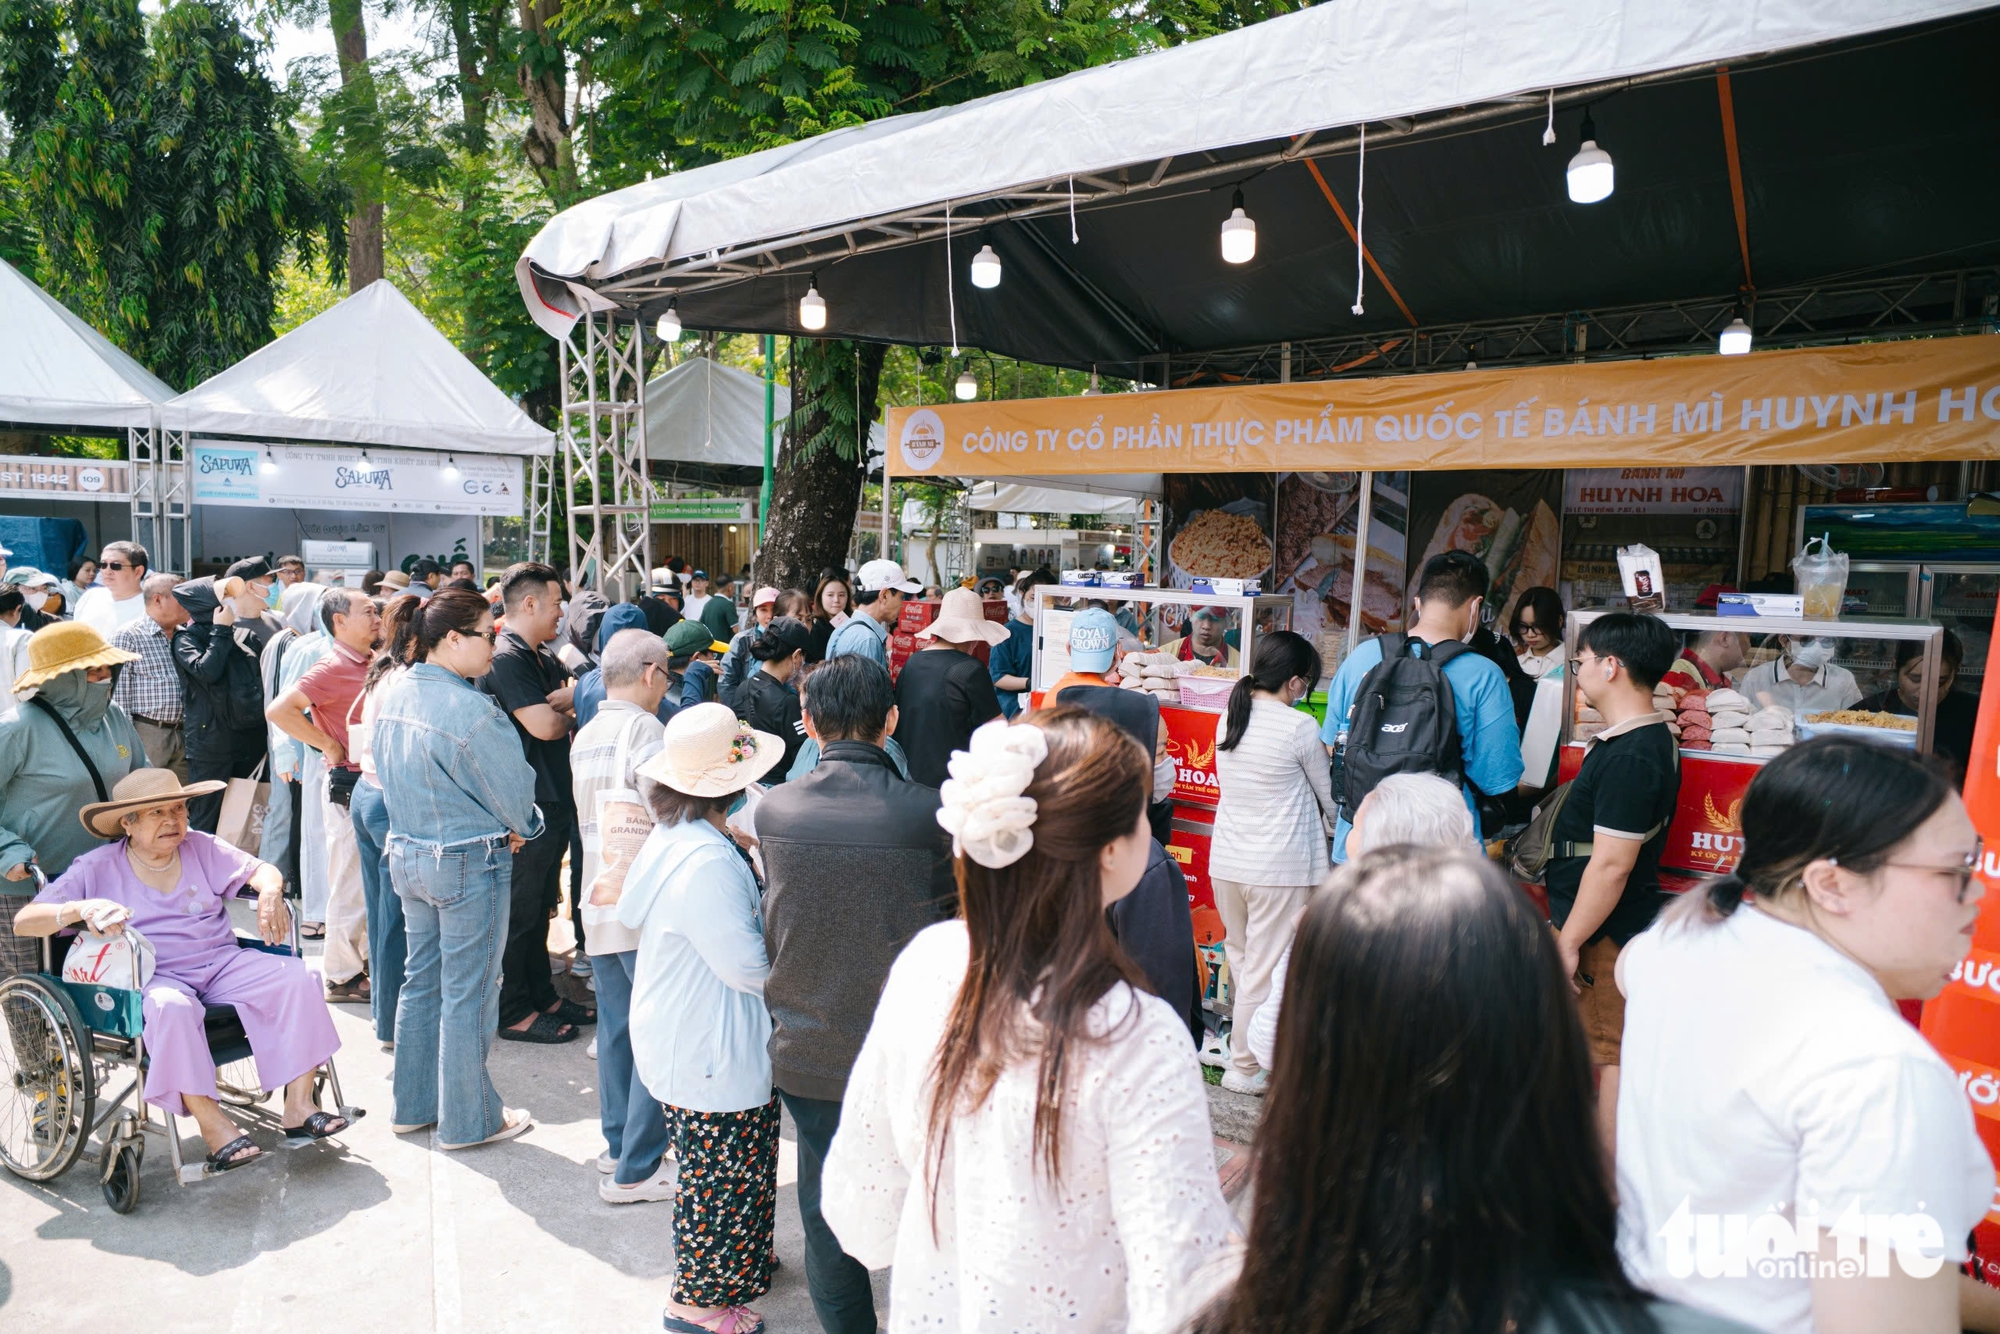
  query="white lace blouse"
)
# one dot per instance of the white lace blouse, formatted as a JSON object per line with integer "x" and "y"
{"x": 1138, "y": 1210}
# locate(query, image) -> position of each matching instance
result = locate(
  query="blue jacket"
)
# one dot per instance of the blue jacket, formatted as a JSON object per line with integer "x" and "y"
{"x": 450, "y": 762}
{"x": 700, "y": 1031}
{"x": 1013, "y": 656}
{"x": 862, "y": 634}
{"x": 589, "y": 693}
{"x": 1486, "y": 730}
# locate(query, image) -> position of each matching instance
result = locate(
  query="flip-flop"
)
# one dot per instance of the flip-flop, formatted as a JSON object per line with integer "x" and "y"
{"x": 569, "y": 1012}
{"x": 546, "y": 1028}
{"x": 317, "y": 1126}
{"x": 729, "y": 1321}
{"x": 231, "y": 1155}
{"x": 514, "y": 1121}
{"x": 313, "y": 930}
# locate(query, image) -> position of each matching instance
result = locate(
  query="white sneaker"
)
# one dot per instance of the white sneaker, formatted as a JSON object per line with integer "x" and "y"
{"x": 662, "y": 1185}
{"x": 1241, "y": 1083}
{"x": 1215, "y": 1050}
{"x": 591, "y": 1050}
{"x": 606, "y": 1164}
{"x": 581, "y": 965}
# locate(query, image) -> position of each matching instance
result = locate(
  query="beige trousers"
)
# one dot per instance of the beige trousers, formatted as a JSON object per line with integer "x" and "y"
{"x": 346, "y": 908}
{"x": 1257, "y": 922}
{"x": 164, "y": 748}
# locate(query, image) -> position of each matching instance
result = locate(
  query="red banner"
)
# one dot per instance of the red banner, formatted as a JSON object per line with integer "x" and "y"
{"x": 1963, "y": 1022}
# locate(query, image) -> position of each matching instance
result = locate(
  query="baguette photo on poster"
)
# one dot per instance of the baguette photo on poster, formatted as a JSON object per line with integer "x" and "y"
{"x": 1318, "y": 513}
{"x": 1510, "y": 520}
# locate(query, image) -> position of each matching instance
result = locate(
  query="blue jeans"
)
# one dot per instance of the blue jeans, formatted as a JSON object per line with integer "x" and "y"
{"x": 635, "y": 1125}
{"x": 388, "y": 944}
{"x": 455, "y": 911}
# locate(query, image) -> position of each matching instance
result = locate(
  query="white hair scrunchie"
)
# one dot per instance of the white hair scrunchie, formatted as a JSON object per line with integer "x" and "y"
{"x": 988, "y": 818}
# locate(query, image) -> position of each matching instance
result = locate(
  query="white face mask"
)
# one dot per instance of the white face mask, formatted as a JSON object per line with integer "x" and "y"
{"x": 1813, "y": 653}
{"x": 37, "y": 599}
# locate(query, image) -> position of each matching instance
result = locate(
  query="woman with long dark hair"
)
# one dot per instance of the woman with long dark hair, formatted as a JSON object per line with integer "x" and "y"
{"x": 461, "y": 801}
{"x": 832, "y": 604}
{"x": 1272, "y": 828}
{"x": 1025, "y": 1134}
{"x": 387, "y": 943}
{"x": 1766, "y": 1065}
{"x": 1426, "y": 1159}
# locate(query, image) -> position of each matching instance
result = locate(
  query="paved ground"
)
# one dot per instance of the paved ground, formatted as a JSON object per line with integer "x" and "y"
{"x": 380, "y": 1234}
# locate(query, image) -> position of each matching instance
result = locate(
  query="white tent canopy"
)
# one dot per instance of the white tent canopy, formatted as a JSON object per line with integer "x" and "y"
{"x": 1330, "y": 65}
{"x": 704, "y": 412}
{"x": 1114, "y": 494}
{"x": 370, "y": 371}
{"x": 57, "y": 371}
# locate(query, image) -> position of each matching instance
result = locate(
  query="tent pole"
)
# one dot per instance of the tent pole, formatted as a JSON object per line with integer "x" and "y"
{"x": 1362, "y": 520}
{"x": 770, "y": 421}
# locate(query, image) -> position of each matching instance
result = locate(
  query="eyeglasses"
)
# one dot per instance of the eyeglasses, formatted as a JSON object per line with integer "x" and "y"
{"x": 1962, "y": 874}
{"x": 490, "y": 636}
{"x": 116, "y": 565}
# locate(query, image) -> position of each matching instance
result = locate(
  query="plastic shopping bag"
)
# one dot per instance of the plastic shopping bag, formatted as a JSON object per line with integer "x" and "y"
{"x": 1821, "y": 577}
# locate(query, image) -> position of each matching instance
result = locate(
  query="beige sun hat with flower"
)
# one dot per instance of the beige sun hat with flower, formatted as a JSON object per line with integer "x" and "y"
{"x": 706, "y": 752}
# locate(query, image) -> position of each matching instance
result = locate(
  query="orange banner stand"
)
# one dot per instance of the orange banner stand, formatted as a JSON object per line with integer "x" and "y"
{"x": 1963, "y": 1022}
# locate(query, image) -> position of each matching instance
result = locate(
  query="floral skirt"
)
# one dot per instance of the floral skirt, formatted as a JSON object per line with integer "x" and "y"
{"x": 727, "y": 1203}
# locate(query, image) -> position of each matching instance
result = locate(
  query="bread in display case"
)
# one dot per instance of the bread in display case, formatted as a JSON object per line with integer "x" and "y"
{"x": 1167, "y": 636}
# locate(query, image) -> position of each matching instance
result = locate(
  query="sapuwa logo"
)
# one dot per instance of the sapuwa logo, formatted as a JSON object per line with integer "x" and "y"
{"x": 923, "y": 440}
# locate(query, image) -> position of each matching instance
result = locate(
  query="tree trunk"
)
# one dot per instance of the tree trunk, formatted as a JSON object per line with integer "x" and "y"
{"x": 357, "y": 84}
{"x": 544, "y": 77}
{"x": 818, "y": 471}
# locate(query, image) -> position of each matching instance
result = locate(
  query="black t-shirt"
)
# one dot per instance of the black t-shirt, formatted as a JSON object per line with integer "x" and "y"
{"x": 522, "y": 676}
{"x": 1951, "y": 730}
{"x": 941, "y": 696}
{"x": 1628, "y": 784}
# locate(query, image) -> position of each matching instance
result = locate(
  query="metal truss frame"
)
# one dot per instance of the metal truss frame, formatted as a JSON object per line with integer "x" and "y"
{"x": 603, "y": 442}
{"x": 541, "y": 504}
{"x": 162, "y": 512}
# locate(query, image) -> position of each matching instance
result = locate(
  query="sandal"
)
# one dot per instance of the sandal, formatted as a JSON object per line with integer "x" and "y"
{"x": 319, "y": 1125}
{"x": 546, "y": 1028}
{"x": 513, "y": 1121}
{"x": 313, "y": 930}
{"x": 729, "y": 1320}
{"x": 231, "y": 1155}
{"x": 569, "y": 1012}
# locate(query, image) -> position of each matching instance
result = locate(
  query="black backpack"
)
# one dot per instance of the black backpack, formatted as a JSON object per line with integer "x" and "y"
{"x": 1404, "y": 720}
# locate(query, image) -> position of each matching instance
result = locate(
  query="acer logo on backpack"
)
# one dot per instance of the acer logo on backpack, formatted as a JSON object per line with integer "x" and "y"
{"x": 1394, "y": 727}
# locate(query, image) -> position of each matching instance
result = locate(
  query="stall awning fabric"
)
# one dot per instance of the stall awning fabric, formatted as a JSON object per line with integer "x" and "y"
{"x": 1026, "y": 498}
{"x": 1854, "y": 150}
{"x": 57, "y": 371}
{"x": 370, "y": 371}
{"x": 1921, "y": 400}
{"x": 705, "y": 413}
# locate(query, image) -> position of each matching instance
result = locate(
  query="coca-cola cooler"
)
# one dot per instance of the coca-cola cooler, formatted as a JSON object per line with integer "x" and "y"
{"x": 917, "y": 615}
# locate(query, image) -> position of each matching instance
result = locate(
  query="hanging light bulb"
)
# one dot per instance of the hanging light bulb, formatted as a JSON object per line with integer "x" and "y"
{"x": 366, "y": 462}
{"x": 986, "y": 268}
{"x": 1590, "y": 171}
{"x": 812, "y": 306}
{"x": 450, "y": 469}
{"x": 1239, "y": 234}
{"x": 1735, "y": 338}
{"x": 1093, "y": 384}
{"x": 669, "y": 327}
{"x": 269, "y": 467}
{"x": 965, "y": 388}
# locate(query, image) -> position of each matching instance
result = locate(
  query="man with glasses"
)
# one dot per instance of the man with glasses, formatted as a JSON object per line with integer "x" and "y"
{"x": 114, "y": 600}
{"x": 1603, "y": 875}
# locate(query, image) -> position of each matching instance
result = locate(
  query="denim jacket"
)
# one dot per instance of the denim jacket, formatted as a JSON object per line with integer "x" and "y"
{"x": 450, "y": 762}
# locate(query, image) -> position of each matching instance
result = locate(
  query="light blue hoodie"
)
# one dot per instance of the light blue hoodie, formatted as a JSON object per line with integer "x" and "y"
{"x": 700, "y": 1032}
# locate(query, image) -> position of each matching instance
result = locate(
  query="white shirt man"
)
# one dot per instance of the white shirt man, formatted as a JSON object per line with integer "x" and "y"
{"x": 1804, "y": 679}
{"x": 115, "y": 600}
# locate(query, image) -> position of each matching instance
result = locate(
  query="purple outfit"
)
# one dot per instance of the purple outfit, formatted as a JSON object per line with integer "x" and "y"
{"x": 198, "y": 962}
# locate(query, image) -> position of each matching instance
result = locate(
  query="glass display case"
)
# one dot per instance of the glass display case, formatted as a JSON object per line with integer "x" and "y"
{"x": 1963, "y": 597}
{"x": 1216, "y": 631}
{"x": 1883, "y": 588}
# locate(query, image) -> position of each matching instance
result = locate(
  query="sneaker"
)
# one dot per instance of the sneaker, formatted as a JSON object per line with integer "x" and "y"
{"x": 590, "y": 985}
{"x": 662, "y": 1185}
{"x": 591, "y": 1050}
{"x": 606, "y": 1164}
{"x": 1215, "y": 1050}
{"x": 1236, "y": 1082}
{"x": 580, "y": 966}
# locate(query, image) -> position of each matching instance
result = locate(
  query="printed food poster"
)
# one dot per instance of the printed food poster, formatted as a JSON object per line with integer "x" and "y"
{"x": 1511, "y": 520}
{"x": 1218, "y": 527}
{"x": 1318, "y": 513}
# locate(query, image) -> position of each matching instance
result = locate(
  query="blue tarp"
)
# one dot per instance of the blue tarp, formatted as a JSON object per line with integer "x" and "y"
{"x": 46, "y": 544}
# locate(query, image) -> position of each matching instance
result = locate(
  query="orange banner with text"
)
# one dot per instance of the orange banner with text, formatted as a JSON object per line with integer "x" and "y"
{"x": 1921, "y": 399}
{"x": 1963, "y": 1021}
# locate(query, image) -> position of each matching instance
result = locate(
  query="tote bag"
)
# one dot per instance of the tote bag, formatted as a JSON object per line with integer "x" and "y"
{"x": 241, "y": 823}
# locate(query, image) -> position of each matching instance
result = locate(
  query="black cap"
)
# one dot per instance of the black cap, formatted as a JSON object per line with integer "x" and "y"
{"x": 250, "y": 567}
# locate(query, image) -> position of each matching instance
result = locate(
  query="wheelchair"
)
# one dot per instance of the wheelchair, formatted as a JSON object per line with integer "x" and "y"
{"x": 64, "y": 1044}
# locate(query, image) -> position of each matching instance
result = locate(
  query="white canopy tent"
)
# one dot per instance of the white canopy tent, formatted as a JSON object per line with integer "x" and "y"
{"x": 703, "y": 412}
{"x": 1110, "y": 494}
{"x": 57, "y": 371}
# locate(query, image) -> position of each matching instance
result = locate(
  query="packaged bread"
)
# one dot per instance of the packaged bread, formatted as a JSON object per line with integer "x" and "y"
{"x": 1770, "y": 737}
{"x": 1730, "y": 748}
{"x": 1696, "y": 718}
{"x": 1720, "y": 701}
{"x": 1730, "y": 718}
{"x": 1766, "y": 752}
{"x": 1695, "y": 699}
{"x": 1771, "y": 718}
{"x": 1730, "y": 736}
{"x": 1688, "y": 743}
{"x": 1701, "y": 734}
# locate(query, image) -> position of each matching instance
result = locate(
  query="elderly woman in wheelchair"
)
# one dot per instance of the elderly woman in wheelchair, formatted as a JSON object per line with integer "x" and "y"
{"x": 172, "y": 885}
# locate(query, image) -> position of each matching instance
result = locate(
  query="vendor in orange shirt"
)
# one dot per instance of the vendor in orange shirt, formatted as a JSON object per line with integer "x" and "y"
{"x": 1093, "y": 644}
{"x": 1205, "y": 642}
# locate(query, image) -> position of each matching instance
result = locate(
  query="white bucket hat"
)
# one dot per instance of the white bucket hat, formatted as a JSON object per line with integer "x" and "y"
{"x": 706, "y": 752}
{"x": 962, "y": 619}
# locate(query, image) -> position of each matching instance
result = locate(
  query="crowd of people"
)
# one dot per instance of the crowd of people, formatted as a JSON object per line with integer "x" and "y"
{"x": 939, "y": 930}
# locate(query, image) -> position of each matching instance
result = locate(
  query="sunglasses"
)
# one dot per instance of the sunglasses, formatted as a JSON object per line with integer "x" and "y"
{"x": 118, "y": 565}
{"x": 490, "y": 636}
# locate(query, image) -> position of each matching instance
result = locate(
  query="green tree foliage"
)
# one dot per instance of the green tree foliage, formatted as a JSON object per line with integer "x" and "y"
{"x": 163, "y": 174}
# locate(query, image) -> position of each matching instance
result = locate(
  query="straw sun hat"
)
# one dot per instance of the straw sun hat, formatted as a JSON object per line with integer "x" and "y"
{"x": 65, "y": 647}
{"x": 706, "y": 752}
{"x": 962, "y": 619}
{"x": 136, "y": 791}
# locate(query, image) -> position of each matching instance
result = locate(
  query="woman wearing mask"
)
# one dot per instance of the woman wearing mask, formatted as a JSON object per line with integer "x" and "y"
{"x": 388, "y": 942}
{"x": 67, "y": 745}
{"x": 1426, "y": 1158}
{"x": 829, "y": 612}
{"x": 460, "y": 798}
{"x": 1766, "y": 1065}
{"x": 42, "y": 604}
{"x": 1025, "y": 1134}
{"x": 1538, "y": 632}
{"x": 295, "y": 820}
{"x": 699, "y": 1027}
{"x": 1803, "y": 677}
{"x": 769, "y": 700}
{"x": 1271, "y": 828}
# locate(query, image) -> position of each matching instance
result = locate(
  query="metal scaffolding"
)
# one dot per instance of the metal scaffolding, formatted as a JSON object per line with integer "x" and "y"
{"x": 541, "y": 505}
{"x": 162, "y": 515}
{"x": 603, "y": 434}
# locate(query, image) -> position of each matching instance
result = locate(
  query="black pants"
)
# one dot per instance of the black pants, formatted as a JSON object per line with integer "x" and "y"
{"x": 525, "y": 984}
{"x": 215, "y": 754}
{"x": 837, "y": 1281}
